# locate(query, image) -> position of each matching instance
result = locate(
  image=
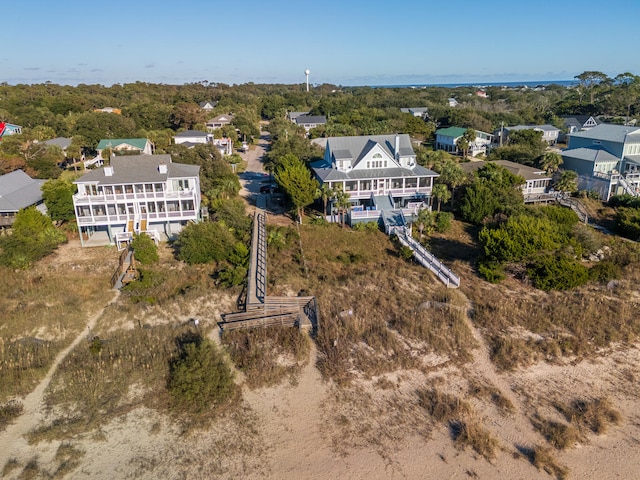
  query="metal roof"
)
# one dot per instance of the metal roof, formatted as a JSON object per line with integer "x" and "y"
{"x": 307, "y": 119}
{"x": 18, "y": 190}
{"x": 192, "y": 133}
{"x": 139, "y": 169}
{"x": 330, "y": 174}
{"x": 61, "y": 142}
{"x": 356, "y": 145}
{"x": 608, "y": 132}
{"x": 596, "y": 154}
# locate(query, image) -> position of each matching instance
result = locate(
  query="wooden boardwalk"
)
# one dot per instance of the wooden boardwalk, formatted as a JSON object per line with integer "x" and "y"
{"x": 260, "y": 310}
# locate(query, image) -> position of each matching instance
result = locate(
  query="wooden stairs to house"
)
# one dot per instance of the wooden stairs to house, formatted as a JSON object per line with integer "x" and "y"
{"x": 126, "y": 271}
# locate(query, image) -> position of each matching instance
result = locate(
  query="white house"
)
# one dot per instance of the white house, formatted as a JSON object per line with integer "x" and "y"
{"x": 421, "y": 112}
{"x": 447, "y": 140}
{"x": 208, "y": 106}
{"x": 219, "y": 122}
{"x": 378, "y": 172}
{"x": 134, "y": 194}
{"x": 9, "y": 129}
{"x": 192, "y": 137}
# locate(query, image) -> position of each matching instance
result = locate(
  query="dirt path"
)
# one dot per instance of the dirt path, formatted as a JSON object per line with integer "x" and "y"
{"x": 516, "y": 428}
{"x": 13, "y": 443}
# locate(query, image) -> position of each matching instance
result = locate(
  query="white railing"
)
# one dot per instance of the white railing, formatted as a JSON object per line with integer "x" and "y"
{"x": 83, "y": 198}
{"x": 428, "y": 260}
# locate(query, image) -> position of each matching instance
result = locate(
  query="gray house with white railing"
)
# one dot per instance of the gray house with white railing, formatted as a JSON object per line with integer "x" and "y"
{"x": 378, "y": 172}
{"x": 136, "y": 194}
{"x": 606, "y": 158}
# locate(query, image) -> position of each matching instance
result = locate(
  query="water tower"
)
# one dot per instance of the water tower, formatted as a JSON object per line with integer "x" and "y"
{"x": 307, "y": 72}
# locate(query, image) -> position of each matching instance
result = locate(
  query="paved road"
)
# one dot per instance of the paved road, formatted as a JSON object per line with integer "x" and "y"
{"x": 255, "y": 175}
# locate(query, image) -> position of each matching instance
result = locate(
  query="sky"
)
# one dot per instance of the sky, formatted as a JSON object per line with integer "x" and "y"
{"x": 342, "y": 42}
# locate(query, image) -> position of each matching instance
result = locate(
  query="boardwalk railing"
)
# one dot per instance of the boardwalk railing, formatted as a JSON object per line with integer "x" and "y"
{"x": 576, "y": 206}
{"x": 428, "y": 260}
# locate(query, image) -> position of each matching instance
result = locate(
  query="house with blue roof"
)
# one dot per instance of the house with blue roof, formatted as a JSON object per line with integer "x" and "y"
{"x": 7, "y": 129}
{"x": 606, "y": 158}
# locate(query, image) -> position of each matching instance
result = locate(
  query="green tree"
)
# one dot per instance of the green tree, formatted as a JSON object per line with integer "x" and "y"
{"x": 58, "y": 197}
{"x": 200, "y": 378}
{"x": 295, "y": 179}
{"x": 590, "y": 81}
{"x": 325, "y": 193}
{"x": 34, "y": 237}
{"x": 341, "y": 202}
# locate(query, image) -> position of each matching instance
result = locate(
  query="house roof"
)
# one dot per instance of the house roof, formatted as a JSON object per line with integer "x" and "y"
{"x": 18, "y": 190}
{"x": 454, "y": 132}
{"x": 608, "y": 132}
{"x": 221, "y": 119}
{"x": 294, "y": 115}
{"x": 546, "y": 128}
{"x": 61, "y": 142}
{"x": 526, "y": 172}
{"x": 596, "y": 154}
{"x": 192, "y": 133}
{"x": 579, "y": 120}
{"x": 139, "y": 168}
{"x": 308, "y": 119}
{"x": 210, "y": 104}
{"x": 116, "y": 142}
{"x": 326, "y": 173}
{"x": 414, "y": 110}
{"x": 353, "y": 147}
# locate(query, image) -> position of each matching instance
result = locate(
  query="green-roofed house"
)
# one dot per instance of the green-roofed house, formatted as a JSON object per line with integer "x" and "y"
{"x": 447, "y": 139}
{"x": 139, "y": 146}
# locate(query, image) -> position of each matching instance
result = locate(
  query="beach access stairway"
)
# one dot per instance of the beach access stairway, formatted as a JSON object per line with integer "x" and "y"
{"x": 576, "y": 206}
{"x": 427, "y": 259}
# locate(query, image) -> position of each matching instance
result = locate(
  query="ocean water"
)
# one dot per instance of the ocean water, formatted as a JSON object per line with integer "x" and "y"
{"x": 541, "y": 83}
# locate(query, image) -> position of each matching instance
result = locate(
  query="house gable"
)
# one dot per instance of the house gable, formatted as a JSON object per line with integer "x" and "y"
{"x": 373, "y": 156}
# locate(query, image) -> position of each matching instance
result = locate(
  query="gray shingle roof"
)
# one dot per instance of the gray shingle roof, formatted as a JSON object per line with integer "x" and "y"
{"x": 546, "y": 128}
{"x": 61, "y": 142}
{"x": 355, "y": 145}
{"x": 18, "y": 190}
{"x": 330, "y": 174}
{"x": 608, "y": 132}
{"x": 138, "y": 169}
{"x": 192, "y": 133}
{"x": 307, "y": 119}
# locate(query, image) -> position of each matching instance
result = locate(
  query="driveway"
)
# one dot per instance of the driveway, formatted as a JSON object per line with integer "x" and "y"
{"x": 255, "y": 175}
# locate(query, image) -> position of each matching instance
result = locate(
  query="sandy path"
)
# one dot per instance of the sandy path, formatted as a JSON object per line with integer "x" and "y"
{"x": 13, "y": 443}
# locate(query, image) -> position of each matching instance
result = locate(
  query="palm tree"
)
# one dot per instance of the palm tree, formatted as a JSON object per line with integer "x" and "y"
{"x": 551, "y": 161}
{"x": 424, "y": 221}
{"x": 568, "y": 181}
{"x": 324, "y": 192}
{"x": 441, "y": 192}
{"x": 342, "y": 202}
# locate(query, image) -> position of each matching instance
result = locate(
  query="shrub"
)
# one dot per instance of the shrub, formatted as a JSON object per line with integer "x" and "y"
{"x": 200, "y": 378}
{"x": 405, "y": 253}
{"x": 10, "y": 411}
{"x": 491, "y": 271}
{"x": 604, "y": 271}
{"x": 205, "y": 242}
{"x": 557, "y": 272}
{"x": 145, "y": 249}
{"x": 628, "y": 222}
{"x": 443, "y": 221}
{"x": 366, "y": 227}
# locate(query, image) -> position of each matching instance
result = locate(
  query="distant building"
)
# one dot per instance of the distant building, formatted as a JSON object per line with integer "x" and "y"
{"x": 7, "y": 129}
{"x": 422, "y": 112}
{"x": 117, "y": 111}
{"x": 208, "y": 106}
{"x": 17, "y": 191}
{"x": 126, "y": 145}
{"x": 219, "y": 122}
{"x": 549, "y": 132}
{"x": 293, "y": 115}
{"x": 192, "y": 137}
{"x": 310, "y": 121}
{"x": 447, "y": 140}
{"x": 61, "y": 142}
{"x": 577, "y": 123}
{"x": 452, "y": 102}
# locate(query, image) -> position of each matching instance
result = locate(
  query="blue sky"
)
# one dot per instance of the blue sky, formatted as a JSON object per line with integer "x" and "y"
{"x": 343, "y": 42}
